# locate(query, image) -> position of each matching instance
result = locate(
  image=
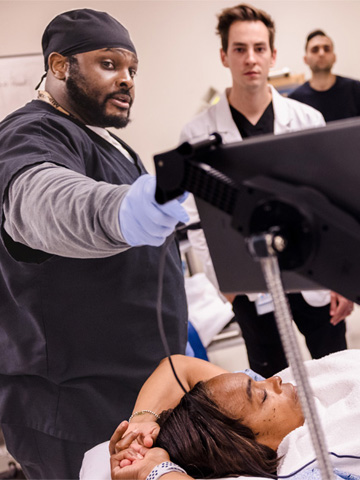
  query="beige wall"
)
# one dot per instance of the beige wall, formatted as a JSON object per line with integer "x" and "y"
{"x": 178, "y": 51}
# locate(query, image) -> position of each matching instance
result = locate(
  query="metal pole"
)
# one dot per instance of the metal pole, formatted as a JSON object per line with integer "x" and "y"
{"x": 271, "y": 271}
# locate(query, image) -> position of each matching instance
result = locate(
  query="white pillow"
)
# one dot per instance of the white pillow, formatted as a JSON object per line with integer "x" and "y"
{"x": 96, "y": 463}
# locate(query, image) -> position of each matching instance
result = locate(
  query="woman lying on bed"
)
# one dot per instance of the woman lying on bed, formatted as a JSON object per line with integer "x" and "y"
{"x": 229, "y": 424}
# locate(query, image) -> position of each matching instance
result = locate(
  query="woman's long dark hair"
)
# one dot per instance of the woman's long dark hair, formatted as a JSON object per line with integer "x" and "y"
{"x": 209, "y": 444}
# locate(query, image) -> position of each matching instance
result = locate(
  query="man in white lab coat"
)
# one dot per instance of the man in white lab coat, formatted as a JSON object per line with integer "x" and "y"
{"x": 252, "y": 107}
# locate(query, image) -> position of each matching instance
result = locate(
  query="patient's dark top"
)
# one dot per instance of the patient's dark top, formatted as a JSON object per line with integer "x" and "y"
{"x": 78, "y": 337}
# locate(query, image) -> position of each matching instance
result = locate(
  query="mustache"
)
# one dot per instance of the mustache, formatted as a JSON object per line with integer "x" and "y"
{"x": 123, "y": 94}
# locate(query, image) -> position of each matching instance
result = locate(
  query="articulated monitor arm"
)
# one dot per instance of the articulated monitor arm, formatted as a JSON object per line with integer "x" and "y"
{"x": 313, "y": 237}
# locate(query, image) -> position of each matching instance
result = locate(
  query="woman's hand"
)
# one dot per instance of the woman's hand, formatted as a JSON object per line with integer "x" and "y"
{"x": 133, "y": 460}
{"x": 147, "y": 433}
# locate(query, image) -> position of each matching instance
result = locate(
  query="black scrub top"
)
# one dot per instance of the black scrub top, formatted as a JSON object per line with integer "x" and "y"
{"x": 78, "y": 337}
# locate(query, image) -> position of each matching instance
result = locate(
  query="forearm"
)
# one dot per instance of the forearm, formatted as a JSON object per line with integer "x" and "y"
{"x": 62, "y": 212}
{"x": 161, "y": 390}
{"x": 175, "y": 476}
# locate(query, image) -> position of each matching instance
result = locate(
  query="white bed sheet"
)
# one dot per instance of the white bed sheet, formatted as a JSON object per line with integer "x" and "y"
{"x": 96, "y": 465}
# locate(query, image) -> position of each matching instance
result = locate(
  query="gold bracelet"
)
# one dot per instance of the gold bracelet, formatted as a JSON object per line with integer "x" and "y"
{"x": 142, "y": 412}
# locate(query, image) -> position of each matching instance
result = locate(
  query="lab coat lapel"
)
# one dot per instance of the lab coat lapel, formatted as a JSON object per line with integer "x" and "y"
{"x": 225, "y": 124}
{"x": 227, "y": 128}
{"x": 282, "y": 119}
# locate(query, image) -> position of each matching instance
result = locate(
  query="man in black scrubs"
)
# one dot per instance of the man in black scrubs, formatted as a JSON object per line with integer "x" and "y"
{"x": 334, "y": 96}
{"x": 252, "y": 107}
{"x": 78, "y": 283}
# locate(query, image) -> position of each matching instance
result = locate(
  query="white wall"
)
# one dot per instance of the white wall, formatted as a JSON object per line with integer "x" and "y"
{"x": 179, "y": 51}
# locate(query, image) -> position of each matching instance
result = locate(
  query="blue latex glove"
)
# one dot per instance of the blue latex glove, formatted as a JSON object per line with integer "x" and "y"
{"x": 143, "y": 221}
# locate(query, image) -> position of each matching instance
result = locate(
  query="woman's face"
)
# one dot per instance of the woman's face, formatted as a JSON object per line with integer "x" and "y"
{"x": 270, "y": 408}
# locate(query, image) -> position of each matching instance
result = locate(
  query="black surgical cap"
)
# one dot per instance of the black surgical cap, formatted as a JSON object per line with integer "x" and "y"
{"x": 84, "y": 30}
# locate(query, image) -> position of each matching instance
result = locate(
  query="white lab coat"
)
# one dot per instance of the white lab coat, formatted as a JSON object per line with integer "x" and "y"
{"x": 289, "y": 116}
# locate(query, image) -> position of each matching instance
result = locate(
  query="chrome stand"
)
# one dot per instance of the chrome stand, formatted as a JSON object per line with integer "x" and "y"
{"x": 264, "y": 248}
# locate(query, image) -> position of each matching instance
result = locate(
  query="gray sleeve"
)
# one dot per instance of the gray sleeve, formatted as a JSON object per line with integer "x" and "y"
{"x": 62, "y": 212}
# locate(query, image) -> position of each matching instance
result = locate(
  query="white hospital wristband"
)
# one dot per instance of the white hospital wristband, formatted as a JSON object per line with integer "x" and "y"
{"x": 162, "y": 468}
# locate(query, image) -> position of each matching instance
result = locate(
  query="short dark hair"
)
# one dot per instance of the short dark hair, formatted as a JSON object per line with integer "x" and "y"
{"x": 243, "y": 13}
{"x": 313, "y": 34}
{"x": 208, "y": 443}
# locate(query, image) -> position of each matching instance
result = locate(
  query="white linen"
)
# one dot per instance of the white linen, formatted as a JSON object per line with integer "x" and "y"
{"x": 96, "y": 465}
{"x": 335, "y": 381}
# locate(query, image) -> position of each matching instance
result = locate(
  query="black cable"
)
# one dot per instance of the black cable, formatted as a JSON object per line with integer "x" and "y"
{"x": 161, "y": 270}
{"x": 191, "y": 226}
{"x": 41, "y": 79}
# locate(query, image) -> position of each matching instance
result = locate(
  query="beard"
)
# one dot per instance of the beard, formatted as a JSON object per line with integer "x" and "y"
{"x": 87, "y": 105}
{"x": 326, "y": 68}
